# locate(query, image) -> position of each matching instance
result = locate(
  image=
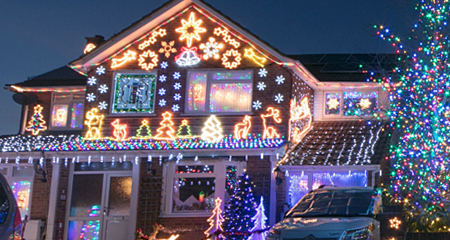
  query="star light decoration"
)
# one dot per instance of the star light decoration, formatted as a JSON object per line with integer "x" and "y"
{"x": 278, "y": 98}
{"x": 162, "y": 91}
{"x": 365, "y": 103}
{"x": 92, "y": 81}
{"x": 103, "y": 89}
{"x": 102, "y": 105}
{"x": 231, "y": 59}
{"x": 162, "y": 102}
{"x": 262, "y": 72}
{"x": 333, "y": 103}
{"x": 148, "y": 60}
{"x": 190, "y": 29}
{"x": 175, "y": 108}
{"x": 261, "y": 86}
{"x": 176, "y": 75}
{"x": 100, "y": 70}
{"x": 162, "y": 78}
{"x": 177, "y": 86}
{"x": 257, "y": 105}
{"x": 394, "y": 223}
{"x": 177, "y": 97}
{"x": 90, "y": 97}
{"x": 280, "y": 79}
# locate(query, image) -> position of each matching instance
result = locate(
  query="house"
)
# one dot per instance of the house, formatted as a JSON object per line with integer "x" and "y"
{"x": 153, "y": 124}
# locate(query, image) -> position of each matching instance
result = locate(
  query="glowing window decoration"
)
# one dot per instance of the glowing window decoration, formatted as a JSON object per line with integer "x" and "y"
{"x": 280, "y": 79}
{"x": 67, "y": 111}
{"x": 231, "y": 59}
{"x": 89, "y": 47}
{"x": 148, "y": 60}
{"x": 360, "y": 103}
{"x": 103, "y": 89}
{"x": 216, "y": 220}
{"x": 242, "y": 129}
{"x": 184, "y": 130}
{"x": 166, "y": 131}
{"x": 144, "y": 131}
{"x": 152, "y": 39}
{"x": 177, "y": 97}
{"x": 257, "y": 105}
{"x": 211, "y": 49}
{"x": 333, "y": 103}
{"x": 278, "y": 98}
{"x": 90, "y": 97}
{"x": 92, "y": 81}
{"x": 230, "y": 97}
{"x": 162, "y": 78}
{"x": 59, "y": 115}
{"x": 21, "y": 191}
{"x": 212, "y": 131}
{"x": 162, "y": 102}
{"x": 298, "y": 187}
{"x": 94, "y": 122}
{"x": 177, "y": 86}
{"x": 175, "y": 108}
{"x": 134, "y": 93}
{"x": 162, "y": 91}
{"x": 176, "y": 75}
{"x": 127, "y": 57}
{"x": 37, "y": 123}
{"x": 190, "y": 30}
{"x": 300, "y": 120}
{"x": 261, "y": 86}
{"x": 187, "y": 57}
{"x": 167, "y": 48}
{"x": 196, "y": 99}
{"x": 256, "y": 59}
{"x": 120, "y": 131}
{"x": 226, "y": 38}
{"x": 164, "y": 65}
{"x": 103, "y": 105}
{"x": 270, "y": 131}
{"x": 100, "y": 70}
{"x": 76, "y": 115}
{"x": 193, "y": 194}
{"x": 262, "y": 72}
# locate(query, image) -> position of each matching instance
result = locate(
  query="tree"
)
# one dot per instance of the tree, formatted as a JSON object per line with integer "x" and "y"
{"x": 184, "y": 130}
{"x": 144, "y": 131}
{"x": 37, "y": 122}
{"x": 420, "y": 111}
{"x": 259, "y": 221}
{"x": 239, "y": 212}
{"x": 165, "y": 132}
{"x": 216, "y": 220}
{"x": 212, "y": 132}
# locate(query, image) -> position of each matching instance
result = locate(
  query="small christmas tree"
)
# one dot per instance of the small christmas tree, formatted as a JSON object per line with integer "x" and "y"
{"x": 215, "y": 221}
{"x": 144, "y": 129}
{"x": 184, "y": 130}
{"x": 37, "y": 122}
{"x": 212, "y": 132}
{"x": 259, "y": 221}
{"x": 239, "y": 212}
{"x": 165, "y": 132}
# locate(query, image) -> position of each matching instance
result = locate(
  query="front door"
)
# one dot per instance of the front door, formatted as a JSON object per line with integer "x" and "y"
{"x": 100, "y": 206}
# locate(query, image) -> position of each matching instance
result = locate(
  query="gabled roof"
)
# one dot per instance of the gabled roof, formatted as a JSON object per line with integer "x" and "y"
{"x": 340, "y": 143}
{"x": 63, "y": 76}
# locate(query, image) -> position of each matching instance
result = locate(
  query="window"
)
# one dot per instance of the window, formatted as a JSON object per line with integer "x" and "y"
{"x": 351, "y": 103}
{"x": 194, "y": 186}
{"x": 20, "y": 179}
{"x": 134, "y": 93}
{"x": 219, "y": 92}
{"x": 67, "y": 111}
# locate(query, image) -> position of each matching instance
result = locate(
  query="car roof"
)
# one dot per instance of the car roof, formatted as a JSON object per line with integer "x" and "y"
{"x": 331, "y": 188}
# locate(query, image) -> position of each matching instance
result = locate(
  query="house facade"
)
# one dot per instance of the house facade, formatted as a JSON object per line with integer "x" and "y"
{"x": 150, "y": 126}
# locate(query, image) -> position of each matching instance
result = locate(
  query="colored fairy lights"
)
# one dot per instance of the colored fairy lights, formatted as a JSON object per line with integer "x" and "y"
{"x": 37, "y": 122}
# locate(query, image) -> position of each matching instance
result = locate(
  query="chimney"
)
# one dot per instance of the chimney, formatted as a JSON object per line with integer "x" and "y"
{"x": 93, "y": 42}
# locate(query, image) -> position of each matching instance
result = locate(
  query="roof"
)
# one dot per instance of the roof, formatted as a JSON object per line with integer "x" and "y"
{"x": 345, "y": 67}
{"x": 63, "y": 76}
{"x": 340, "y": 143}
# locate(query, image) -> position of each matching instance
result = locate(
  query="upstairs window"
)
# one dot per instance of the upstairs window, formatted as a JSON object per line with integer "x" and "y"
{"x": 351, "y": 103}
{"x": 134, "y": 93}
{"x": 67, "y": 111}
{"x": 219, "y": 92}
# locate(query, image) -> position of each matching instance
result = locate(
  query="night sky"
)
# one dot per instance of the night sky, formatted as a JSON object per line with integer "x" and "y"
{"x": 39, "y": 36}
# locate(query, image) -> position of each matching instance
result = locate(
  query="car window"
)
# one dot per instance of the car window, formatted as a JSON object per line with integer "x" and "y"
{"x": 4, "y": 204}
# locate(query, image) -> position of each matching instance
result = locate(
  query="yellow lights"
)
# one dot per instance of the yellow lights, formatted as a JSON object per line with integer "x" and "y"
{"x": 231, "y": 59}
{"x": 120, "y": 131}
{"x": 61, "y": 115}
{"x": 89, "y": 47}
{"x": 152, "y": 39}
{"x": 212, "y": 132}
{"x": 227, "y": 38}
{"x": 148, "y": 60}
{"x": 167, "y": 48}
{"x": 241, "y": 130}
{"x": 190, "y": 29}
{"x": 299, "y": 112}
{"x": 333, "y": 103}
{"x": 166, "y": 132}
{"x": 94, "y": 122}
{"x": 128, "y": 56}
{"x": 365, "y": 103}
{"x": 394, "y": 223}
{"x": 173, "y": 237}
{"x": 270, "y": 131}
{"x": 258, "y": 60}
{"x": 211, "y": 49}
{"x": 37, "y": 123}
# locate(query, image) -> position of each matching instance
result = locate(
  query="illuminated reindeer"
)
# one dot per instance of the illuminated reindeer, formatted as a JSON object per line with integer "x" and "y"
{"x": 94, "y": 123}
{"x": 298, "y": 113}
{"x": 271, "y": 132}
{"x": 241, "y": 129}
{"x": 120, "y": 130}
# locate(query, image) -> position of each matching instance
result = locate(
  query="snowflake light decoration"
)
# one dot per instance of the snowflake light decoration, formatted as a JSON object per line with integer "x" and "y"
{"x": 257, "y": 105}
{"x": 162, "y": 78}
{"x": 211, "y": 49}
{"x": 100, "y": 70}
{"x": 262, "y": 72}
{"x": 261, "y": 86}
{"x": 92, "y": 80}
{"x": 162, "y": 91}
{"x": 148, "y": 60}
{"x": 177, "y": 86}
{"x": 175, "y": 108}
{"x": 176, "y": 75}
{"x": 102, "y": 105}
{"x": 231, "y": 59}
{"x": 103, "y": 89}
{"x": 280, "y": 79}
{"x": 90, "y": 97}
{"x": 177, "y": 97}
{"x": 167, "y": 48}
{"x": 162, "y": 102}
{"x": 164, "y": 65}
{"x": 278, "y": 98}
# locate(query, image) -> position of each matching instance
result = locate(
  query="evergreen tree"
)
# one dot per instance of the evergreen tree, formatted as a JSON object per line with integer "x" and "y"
{"x": 239, "y": 212}
{"x": 259, "y": 221}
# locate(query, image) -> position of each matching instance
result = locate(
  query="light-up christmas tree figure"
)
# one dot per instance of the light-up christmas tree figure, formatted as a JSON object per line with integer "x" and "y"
{"x": 240, "y": 210}
{"x": 212, "y": 132}
{"x": 420, "y": 111}
{"x": 144, "y": 131}
{"x": 259, "y": 221}
{"x": 215, "y": 221}
{"x": 184, "y": 130}
{"x": 165, "y": 132}
{"x": 37, "y": 123}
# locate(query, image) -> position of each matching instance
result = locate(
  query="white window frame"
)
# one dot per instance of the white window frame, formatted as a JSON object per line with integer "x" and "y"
{"x": 341, "y": 103}
{"x": 219, "y": 174}
{"x": 68, "y": 102}
{"x": 208, "y": 91}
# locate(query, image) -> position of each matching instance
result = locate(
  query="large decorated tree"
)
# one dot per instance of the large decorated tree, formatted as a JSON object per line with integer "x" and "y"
{"x": 240, "y": 210}
{"x": 420, "y": 113}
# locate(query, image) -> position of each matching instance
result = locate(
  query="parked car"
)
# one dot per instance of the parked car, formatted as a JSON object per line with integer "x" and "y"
{"x": 10, "y": 220}
{"x": 332, "y": 213}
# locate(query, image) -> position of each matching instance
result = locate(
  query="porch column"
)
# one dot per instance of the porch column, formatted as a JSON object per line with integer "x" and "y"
{"x": 273, "y": 194}
{"x": 134, "y": 200}
{"x": 51, "y": 216}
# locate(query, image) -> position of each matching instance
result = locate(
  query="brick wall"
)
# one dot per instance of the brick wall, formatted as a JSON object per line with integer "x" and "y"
{"x": 63, "y": 187}
{"x": 40, "y": 195}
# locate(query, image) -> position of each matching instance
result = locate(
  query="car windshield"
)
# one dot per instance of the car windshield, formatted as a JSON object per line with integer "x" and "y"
{"x": 333, "y": 202}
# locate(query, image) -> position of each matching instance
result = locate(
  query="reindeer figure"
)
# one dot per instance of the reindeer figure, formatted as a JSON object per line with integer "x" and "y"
{"x": 299, "y": 112}
{"x": 241, "y": 129}
{"x": 94, "y": 124}
{"x": 271, "y": 132}
{"x": 156, "y": 229}
{"x": 120, "y": 130}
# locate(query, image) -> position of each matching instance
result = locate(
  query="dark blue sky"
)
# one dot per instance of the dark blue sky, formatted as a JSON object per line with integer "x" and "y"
{"x": 39, "y": 36}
